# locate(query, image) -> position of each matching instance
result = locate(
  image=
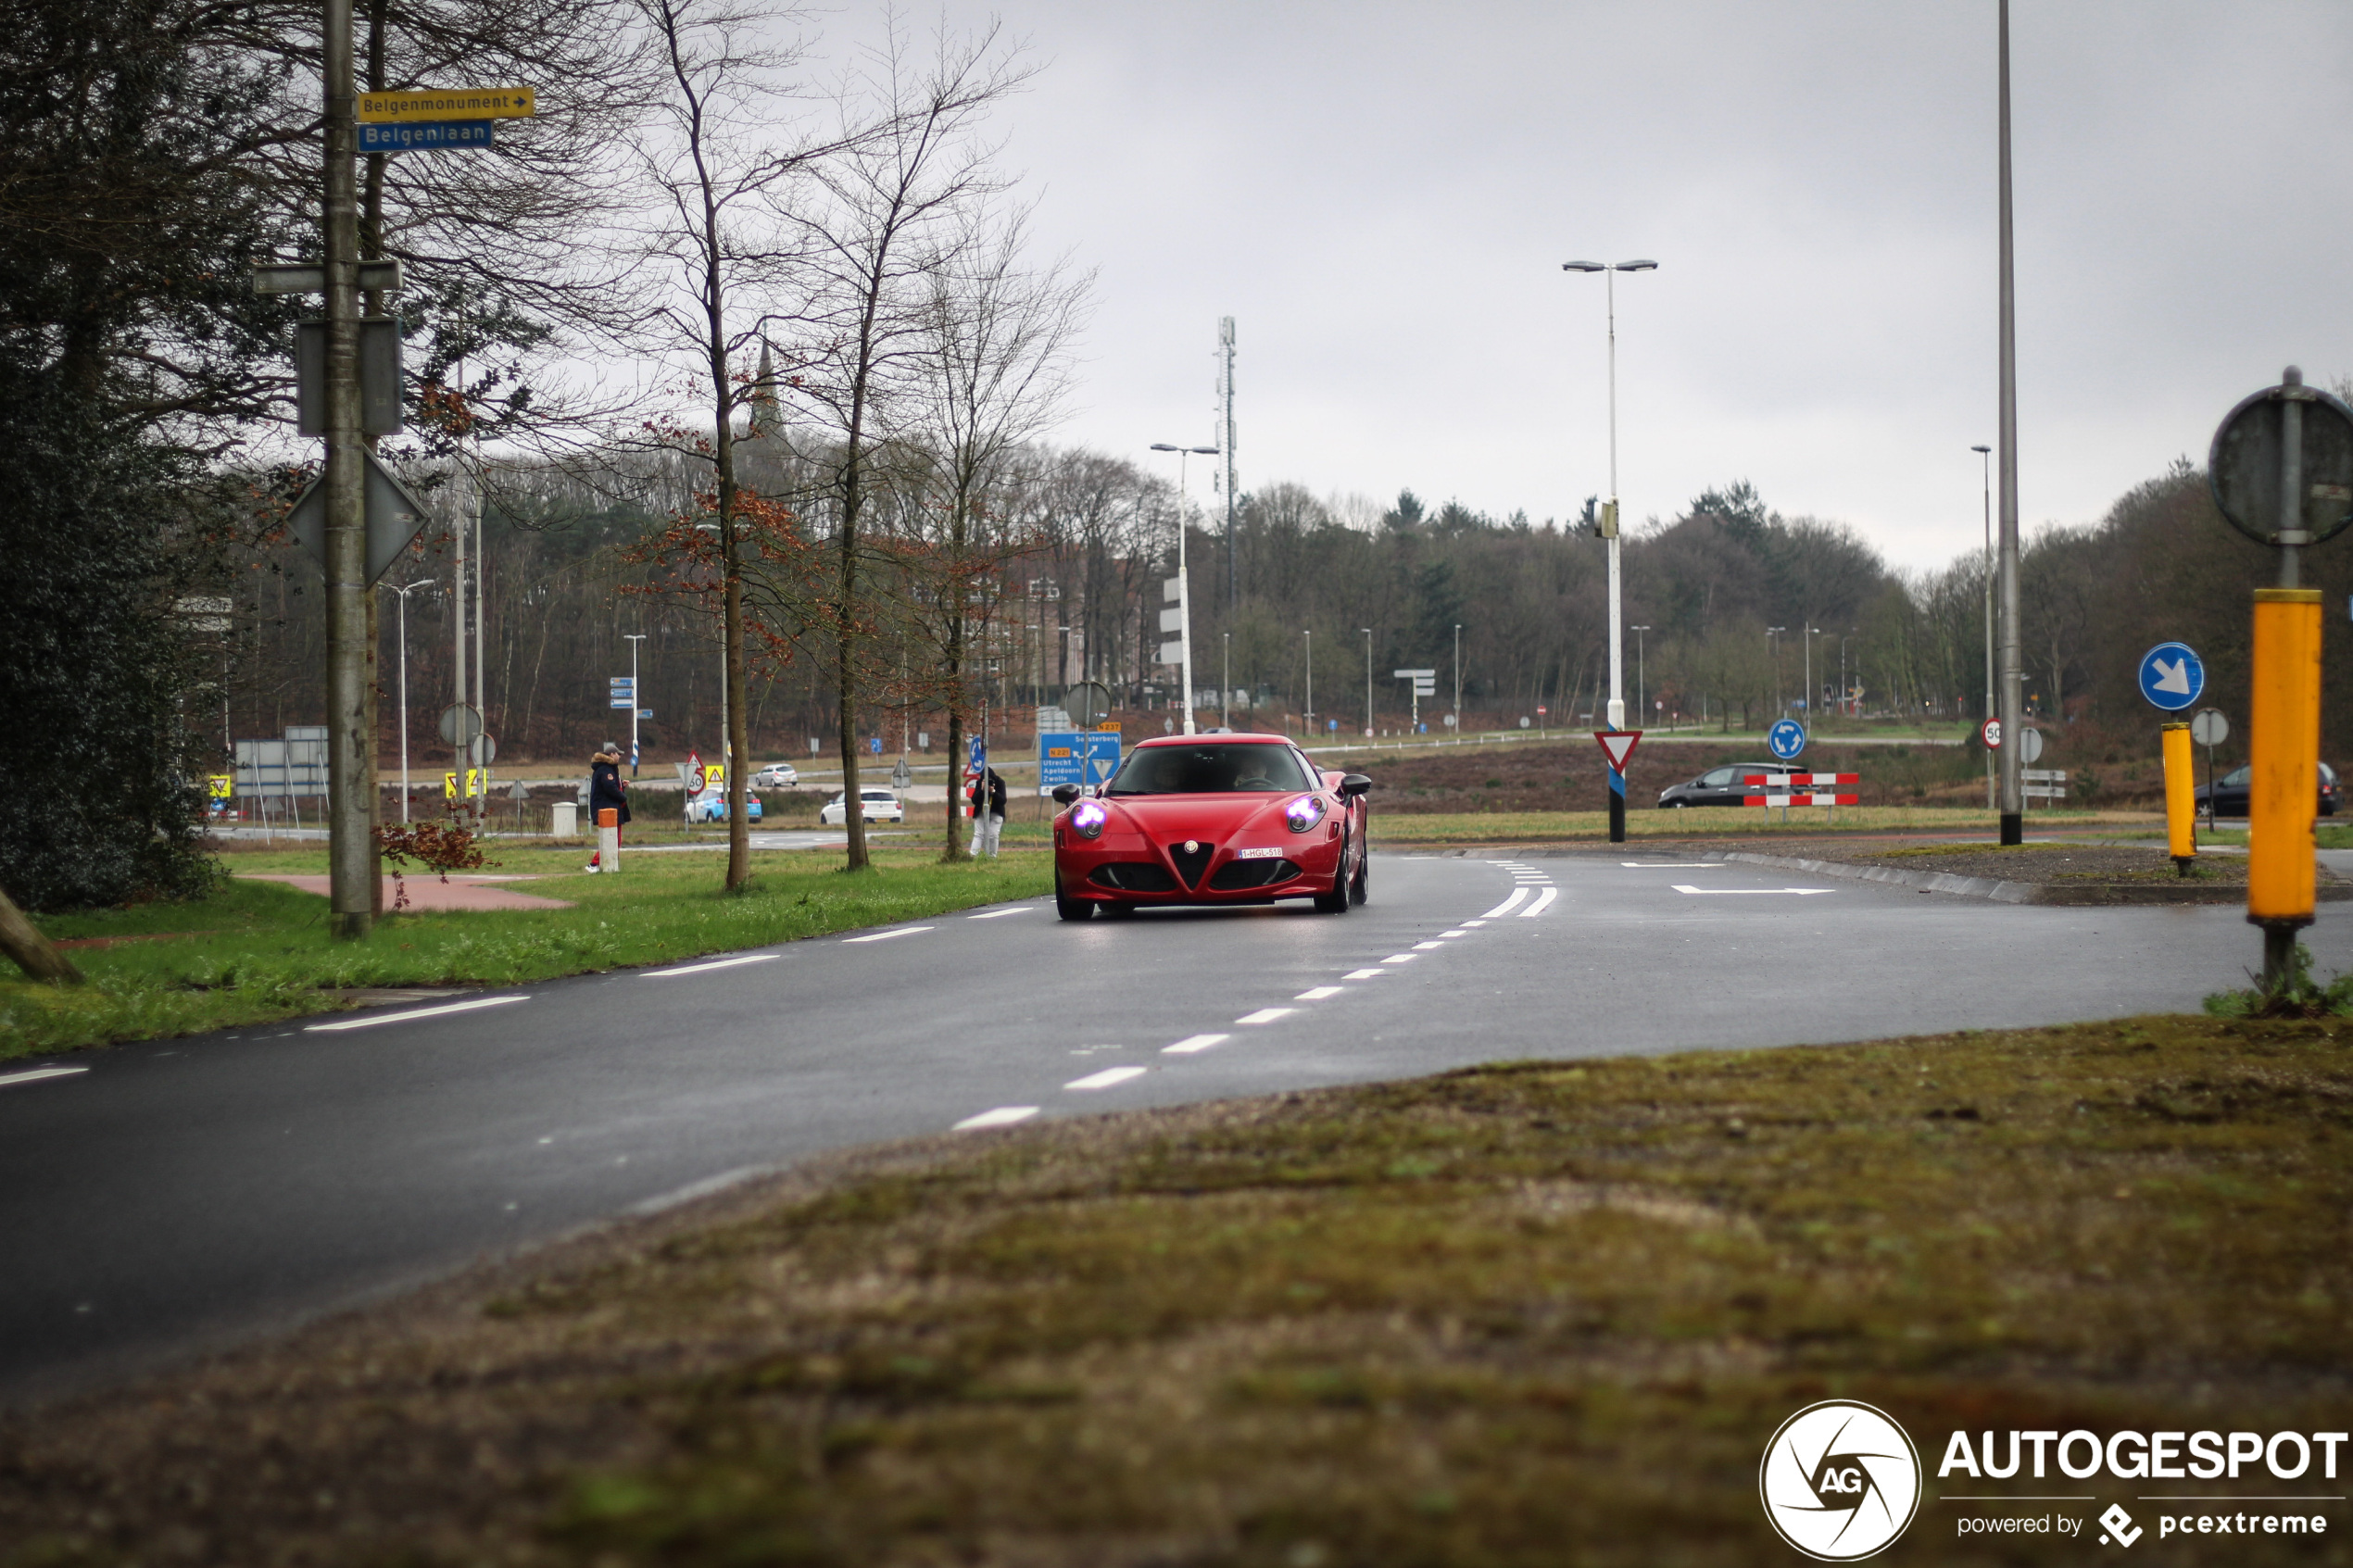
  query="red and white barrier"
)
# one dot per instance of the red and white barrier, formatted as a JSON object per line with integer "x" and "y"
{"x": 1804, "y": 797}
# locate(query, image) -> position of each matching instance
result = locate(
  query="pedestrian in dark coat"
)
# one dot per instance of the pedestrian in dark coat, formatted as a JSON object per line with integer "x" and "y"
{"x": 607, "y": 791}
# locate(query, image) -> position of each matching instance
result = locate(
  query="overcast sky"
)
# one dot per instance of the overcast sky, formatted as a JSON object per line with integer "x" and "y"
{"x": 1382, "y": 196}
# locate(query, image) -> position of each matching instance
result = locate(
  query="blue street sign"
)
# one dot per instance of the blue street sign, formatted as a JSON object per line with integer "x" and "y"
{"x": 873, "y": 742}
{"x": 424, "y": 136}
{"x": 2171, "y": 676}
{"x": 1079, "y": 756}
{"x": 1786, "y": 739}
{"x": 979, "y": 758}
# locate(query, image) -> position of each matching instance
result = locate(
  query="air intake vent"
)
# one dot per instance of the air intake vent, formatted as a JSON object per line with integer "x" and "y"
{"x": 1191, "y": 863}
{"x": 1133, "y": 876}
{"x": 1235, "y": 875}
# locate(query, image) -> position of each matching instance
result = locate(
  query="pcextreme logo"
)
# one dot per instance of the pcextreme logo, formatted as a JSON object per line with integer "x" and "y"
{"x": 1839, "y": 1480}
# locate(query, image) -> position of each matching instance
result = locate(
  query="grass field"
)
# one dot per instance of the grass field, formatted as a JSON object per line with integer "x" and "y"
{"x": 259, "y": 951}
{"x": 1527, "y": 1314}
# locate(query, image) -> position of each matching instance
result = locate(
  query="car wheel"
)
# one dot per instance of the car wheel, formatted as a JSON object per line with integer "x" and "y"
{"x": 1336, "y": 902}
{"x": 1359, "y": 887}
{"x": 1068, "y": 908}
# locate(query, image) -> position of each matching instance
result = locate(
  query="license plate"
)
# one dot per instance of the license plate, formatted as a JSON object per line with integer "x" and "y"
{"x": 1258, "y": 854}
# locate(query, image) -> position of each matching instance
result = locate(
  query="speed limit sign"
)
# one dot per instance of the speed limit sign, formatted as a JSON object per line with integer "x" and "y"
{"x": 1992, "y": 735}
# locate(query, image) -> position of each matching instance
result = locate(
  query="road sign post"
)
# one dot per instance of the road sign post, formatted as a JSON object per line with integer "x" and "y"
{"x": 2209, "y": 729}
{"x": 2282, "y": 472}
{"x": 1618, "y": 747}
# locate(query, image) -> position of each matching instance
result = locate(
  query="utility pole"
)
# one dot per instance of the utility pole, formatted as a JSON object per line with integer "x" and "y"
{"x": 1308, "y": 640}
{"x": 633, "y": 639}
{"x": 2013, "y": 793}
{"x": 351, "y": 750}
{"x": 1458, "y": 679}
{"x": 1368, "y": 680}
{"x": 404, "y": 593}
{"x": 1985, "y": 474}
{"x": 1226, "y": 397}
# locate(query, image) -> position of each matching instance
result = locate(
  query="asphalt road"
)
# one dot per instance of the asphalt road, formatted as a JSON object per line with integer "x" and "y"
{"x": 161, "y": 1199}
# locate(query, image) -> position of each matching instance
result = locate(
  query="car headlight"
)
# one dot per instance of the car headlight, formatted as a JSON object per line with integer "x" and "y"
{"x": 1087, "y": 818}
{"x": 1305, "y": 812}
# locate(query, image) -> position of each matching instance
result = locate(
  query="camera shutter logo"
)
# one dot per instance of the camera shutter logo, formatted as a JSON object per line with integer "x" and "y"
{"x": 1840, "y": 1481}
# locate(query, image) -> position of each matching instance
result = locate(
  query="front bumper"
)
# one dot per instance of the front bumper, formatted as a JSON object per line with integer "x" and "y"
{"x": 1128, "y": 868}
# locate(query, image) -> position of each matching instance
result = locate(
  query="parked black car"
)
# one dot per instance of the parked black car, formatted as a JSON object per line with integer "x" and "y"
{"x": 1722, "y": 787}
{"x": 2229, "y": 796}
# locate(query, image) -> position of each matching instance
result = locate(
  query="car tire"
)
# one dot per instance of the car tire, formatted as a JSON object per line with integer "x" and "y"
{"x": 1359, "y": 885}
{"x": 1068, "y": 908}
{"x": 1337, "y": 901}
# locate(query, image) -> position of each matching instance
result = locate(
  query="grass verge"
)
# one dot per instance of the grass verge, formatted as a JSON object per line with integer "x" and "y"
{"x": 1527, "y": 1315}
{"x": 260, "y": 951}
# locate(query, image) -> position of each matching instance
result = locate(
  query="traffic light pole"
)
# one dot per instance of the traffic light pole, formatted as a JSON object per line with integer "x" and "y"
{"x": 351, "y": 751}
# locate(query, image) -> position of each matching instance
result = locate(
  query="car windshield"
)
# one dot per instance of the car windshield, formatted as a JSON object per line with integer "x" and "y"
{"x": 1209, "y": 770}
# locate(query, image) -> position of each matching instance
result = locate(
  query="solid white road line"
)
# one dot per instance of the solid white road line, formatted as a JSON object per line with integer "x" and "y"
{"x": 706, "y": 968}
{"x": 1363, "y": 974}
{"x": 38, "y": 1073}
{"x": 1004, "y": 1116}
{"x": 1399, "y": 958}
{"x": 999, "y": 915}
{"x": 1193, "y": 1042}
{"x": 1543, "y": 900}
{"x": 1519, "y": 897}
{"x": 1320, "y": 992}
{"x": 1428, "y": 947}
{"x": 1265, "y": 1015}
{"x": 418, "y": 1012}
{"x": 1671, "y": 865}
{"x": 1105, "y": 1079}
{"x": 1723, "y": 892}
{"x": 886, "y": 936}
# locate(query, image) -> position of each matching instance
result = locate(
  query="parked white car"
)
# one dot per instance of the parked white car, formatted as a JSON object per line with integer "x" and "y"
{"x": 776, "y": 775}
{"x": 876, "y": 804}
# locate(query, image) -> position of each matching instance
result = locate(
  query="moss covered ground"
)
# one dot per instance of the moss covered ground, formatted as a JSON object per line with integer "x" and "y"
{"x": 1530, "y": 1314}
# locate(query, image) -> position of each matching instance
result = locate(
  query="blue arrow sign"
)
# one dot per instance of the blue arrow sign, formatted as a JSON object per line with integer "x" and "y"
{"x": 2171, "y": 676}
{"x": 1786, "y": 739}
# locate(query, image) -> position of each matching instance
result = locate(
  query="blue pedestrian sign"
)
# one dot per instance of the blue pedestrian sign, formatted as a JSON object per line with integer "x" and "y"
{"x": 2171, "y": 676}
{"x": 1785, "y": 739}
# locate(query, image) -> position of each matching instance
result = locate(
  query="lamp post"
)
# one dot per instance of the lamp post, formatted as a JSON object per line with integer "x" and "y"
{"x": 404, "y": 593}
{"x": 1184, "y": 587}
{"x": 1986, "y": 464}
{"x": 1226, "y": 676}
{"x": 1844, "y": 689}
{"x": 1458, "y": 681}
{"x": 1642, "y": 676}
{"x": 1773, "y": 634}
{"x": 1368, "y": 680}
{"x": 1609, "y": 517}
{"x": 1307, "y": 635}
{"x": 633, "y": 639}
{"x": 2012, "y": 803}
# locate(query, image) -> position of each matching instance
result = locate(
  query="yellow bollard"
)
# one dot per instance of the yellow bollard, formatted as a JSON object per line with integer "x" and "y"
{"x": 2284, "y": 746}
{"x": 2181, "y": 800}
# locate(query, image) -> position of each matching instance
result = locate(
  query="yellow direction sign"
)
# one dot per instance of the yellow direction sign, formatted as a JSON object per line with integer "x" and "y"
{"x": 453, "y": 103}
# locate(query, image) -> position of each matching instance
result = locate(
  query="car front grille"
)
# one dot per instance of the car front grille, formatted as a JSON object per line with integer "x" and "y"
{"x": 1133, "y": 876}
{"x": 1235, "y": 875}
{"x": 1191, "y": 862}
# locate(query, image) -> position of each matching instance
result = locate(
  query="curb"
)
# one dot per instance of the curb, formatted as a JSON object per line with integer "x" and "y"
{"x": 2090, "y": 895}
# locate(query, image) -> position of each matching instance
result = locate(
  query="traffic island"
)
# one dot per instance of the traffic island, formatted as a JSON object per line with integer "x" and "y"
{"x": 2075, "y": 874}
{"x": 1535, "y": 1313}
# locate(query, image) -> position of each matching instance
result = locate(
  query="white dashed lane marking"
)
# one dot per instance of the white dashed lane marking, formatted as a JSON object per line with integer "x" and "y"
{"x": 39, "y": 1075}
{"x": 1428, "y": 947}
{"x": 1265, "y": 1015}
{"x": 999, "y": 915}
{"x": 1320, "y": 992}
{"x": 1193, "y": 1042}
{"x": 1004, "y": 1116}
{"x": 1363, "y": 974}
{"x": 886, "y": 936}
{"x": 419, "y": 1012}
{"x": 1543, "y": 900}
{"x": 707, "y": 968}
{"x": 1399, "y": 958}
{"x": 1105, "y": 1079}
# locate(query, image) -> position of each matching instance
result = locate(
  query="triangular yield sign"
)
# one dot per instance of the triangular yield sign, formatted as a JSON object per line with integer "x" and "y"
{"x": 1617, "y": 745}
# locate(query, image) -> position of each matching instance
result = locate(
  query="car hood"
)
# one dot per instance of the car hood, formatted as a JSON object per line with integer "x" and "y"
{"x": 1166, "y": 819}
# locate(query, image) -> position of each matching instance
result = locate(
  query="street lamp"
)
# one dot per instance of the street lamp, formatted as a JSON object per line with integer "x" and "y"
{"x": 1842, "y": 688}
{"x": 1609, "y": 517}
{"x": 1184, "y": 588}
{"x": 1458, "y": 681}
{"x": 1641, "y": 678}
{"x": 1985, "y": 463}
{"x": 1368, "y": 680}
{"x": 633, "y": 639}
{"x": 404, "y": 594}
{"x": 1226, "y": 675}
{"x": 1307, "y": 635}
{"x": 1773, "y": 634}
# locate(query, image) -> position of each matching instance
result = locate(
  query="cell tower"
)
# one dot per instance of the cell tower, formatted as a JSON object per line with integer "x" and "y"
{"x": 1226, "y": 440}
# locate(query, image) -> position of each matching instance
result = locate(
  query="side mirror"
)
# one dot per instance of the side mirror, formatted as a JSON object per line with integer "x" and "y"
{"x": 1065, "y": 793}
{"x": 1353, "y": 785}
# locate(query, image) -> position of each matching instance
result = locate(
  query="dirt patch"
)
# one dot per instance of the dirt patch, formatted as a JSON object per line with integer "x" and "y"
{"x": 1518, "y": 1315}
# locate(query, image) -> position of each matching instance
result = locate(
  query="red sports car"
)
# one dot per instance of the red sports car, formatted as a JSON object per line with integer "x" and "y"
{"x": 1233, "y": 819}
